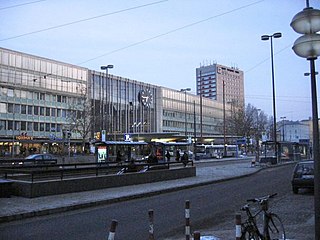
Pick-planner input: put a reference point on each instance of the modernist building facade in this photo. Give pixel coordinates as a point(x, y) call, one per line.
point(39, 95)
point(221, 83)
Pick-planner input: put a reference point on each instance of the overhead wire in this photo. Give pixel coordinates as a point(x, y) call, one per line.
point(171, 31)
point(22, 4)
point(82, 20)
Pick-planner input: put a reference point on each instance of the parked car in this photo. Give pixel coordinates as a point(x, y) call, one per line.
point(43, 158)
point(303, 176)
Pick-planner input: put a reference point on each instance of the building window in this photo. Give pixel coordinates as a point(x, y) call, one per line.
point(47, 111)
point(53, 112)
point(23, 109)
point(53, 127)
point(30, 110)
point(10, 107)
point(10, 125)
point(42, 96)
point(36, 111)
point(29, 126)
point(41, 111)
point(47, 127)
point(36, 126)
point(2, 124)
point(23, 126)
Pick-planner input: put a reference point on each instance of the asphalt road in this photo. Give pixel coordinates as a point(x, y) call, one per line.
point(210, 205)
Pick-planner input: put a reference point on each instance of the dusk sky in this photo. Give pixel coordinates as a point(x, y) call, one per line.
point(163, 42)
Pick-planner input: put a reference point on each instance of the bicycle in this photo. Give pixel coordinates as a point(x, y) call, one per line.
point(272, 227)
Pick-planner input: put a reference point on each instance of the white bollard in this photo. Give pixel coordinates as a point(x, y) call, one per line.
point(113, 227)
point(187, 215)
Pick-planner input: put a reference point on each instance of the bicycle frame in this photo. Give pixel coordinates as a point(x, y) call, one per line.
point(251, 221)
point(250, 225)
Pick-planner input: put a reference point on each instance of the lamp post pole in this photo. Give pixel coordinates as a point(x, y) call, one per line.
point(104, 99)
point(224, 119)
point(257, 137)
point(185, 90)
point(283, 118)
point(307, 46)
point(264, 38)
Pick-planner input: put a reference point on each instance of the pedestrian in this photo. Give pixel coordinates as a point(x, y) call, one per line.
point(152, 158)
point(185, 158)
point(178, 155)
point(118, 158)
point(168, 156)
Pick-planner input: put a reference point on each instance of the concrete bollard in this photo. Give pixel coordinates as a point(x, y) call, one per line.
point(196, 235)
point(151, 229)
point(187, 215)
point(113, 227)
point(238, 226)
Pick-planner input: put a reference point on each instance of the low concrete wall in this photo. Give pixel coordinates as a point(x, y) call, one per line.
point(45, 188)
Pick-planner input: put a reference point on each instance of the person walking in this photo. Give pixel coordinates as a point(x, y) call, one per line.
point(168, 156)
point(185, 158)
point(178, 155)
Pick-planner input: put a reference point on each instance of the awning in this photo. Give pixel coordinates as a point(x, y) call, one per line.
point(121, 143)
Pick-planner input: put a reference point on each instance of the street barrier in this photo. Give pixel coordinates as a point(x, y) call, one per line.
point(187, 216)
point(196, 235)
point(188, 235)
point(112, 231)
point(151, 229)
point(238, 226)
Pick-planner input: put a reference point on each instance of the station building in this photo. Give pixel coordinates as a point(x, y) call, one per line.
point(38, 96)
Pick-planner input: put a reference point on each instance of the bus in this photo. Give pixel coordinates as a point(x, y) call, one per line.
point(216, 151)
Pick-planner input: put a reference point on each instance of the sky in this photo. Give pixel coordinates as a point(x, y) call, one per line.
point(162, 42)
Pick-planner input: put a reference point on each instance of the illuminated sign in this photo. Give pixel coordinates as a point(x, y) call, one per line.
point(23, 137)
point(102, 153)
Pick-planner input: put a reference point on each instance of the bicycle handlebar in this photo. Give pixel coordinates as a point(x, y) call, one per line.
point(262, 198)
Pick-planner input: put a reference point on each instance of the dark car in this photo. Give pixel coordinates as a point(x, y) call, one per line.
point(41, 159)
point(303, 176)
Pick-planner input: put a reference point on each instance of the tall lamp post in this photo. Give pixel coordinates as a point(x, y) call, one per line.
point(257, 137)
point(283, 118)
point(264, 38)
point(104, 106)
point(307, 22)
point(185, 90)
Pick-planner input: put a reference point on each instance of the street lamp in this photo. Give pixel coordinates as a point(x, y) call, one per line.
point(185, 90)
point(264, 38)
point(283, 118)
point(307, 22)
point(257, 137)
point(104, 106)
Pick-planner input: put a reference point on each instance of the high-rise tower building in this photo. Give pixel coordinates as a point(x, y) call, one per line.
point(216, 82)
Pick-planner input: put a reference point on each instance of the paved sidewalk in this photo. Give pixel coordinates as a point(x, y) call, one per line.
point(18, 207)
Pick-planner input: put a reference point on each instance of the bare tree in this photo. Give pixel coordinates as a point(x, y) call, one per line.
point(246, 122)
point(80, 115)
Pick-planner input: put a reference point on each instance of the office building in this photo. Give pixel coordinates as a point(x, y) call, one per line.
point(221, 83)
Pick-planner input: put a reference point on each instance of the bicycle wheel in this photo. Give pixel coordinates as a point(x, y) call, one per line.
point(275, 228)
point(249, 233)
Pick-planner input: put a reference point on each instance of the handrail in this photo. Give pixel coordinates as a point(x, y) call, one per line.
point(64, 169)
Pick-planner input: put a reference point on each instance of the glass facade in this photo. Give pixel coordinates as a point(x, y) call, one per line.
point(39, 96)
point(117, 107)
point(203, 117)
point(35, 97)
